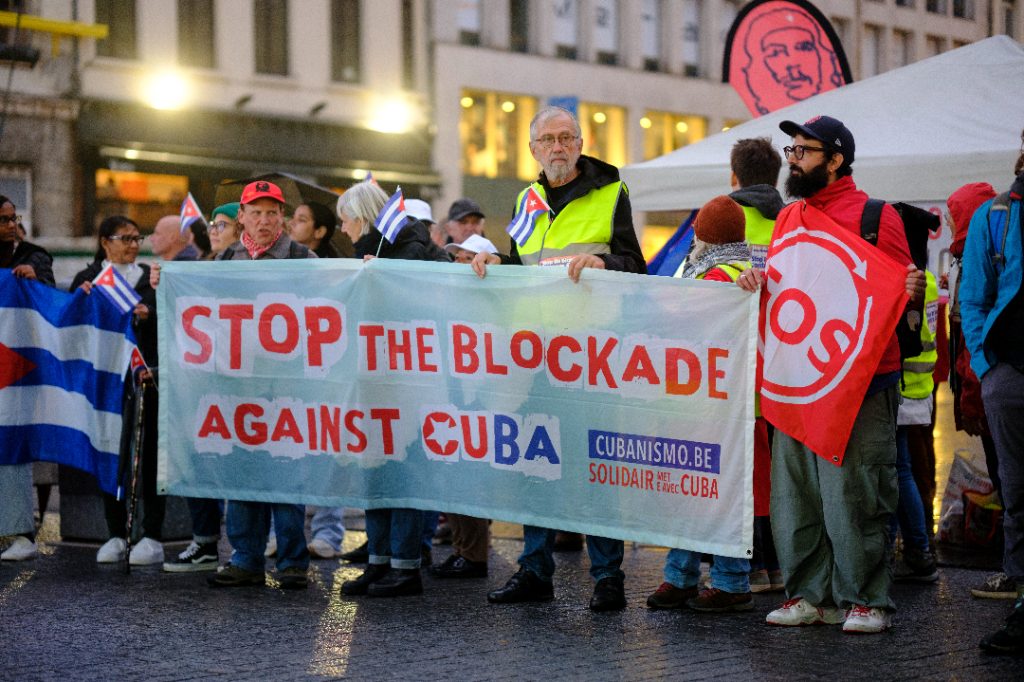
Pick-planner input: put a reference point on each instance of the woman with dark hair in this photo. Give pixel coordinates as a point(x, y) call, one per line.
point(119, 242)
point(313, 225)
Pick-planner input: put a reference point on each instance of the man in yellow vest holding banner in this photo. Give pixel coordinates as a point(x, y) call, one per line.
point(589, 224)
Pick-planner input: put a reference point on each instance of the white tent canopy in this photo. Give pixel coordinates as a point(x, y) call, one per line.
point(921, 131)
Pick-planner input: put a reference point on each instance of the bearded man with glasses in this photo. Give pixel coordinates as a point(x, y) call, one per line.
point(590, 225)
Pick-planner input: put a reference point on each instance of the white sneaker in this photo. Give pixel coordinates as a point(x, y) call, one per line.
point(864, 620)
point(146, 553)
point(799, 611)
point(22, 548)
point(111, 552)
point(319, 549)
point(271, 549)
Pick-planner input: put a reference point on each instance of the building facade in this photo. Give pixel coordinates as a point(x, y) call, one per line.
point(434, 95)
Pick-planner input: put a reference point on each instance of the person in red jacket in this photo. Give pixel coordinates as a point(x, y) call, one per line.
point(830, 522)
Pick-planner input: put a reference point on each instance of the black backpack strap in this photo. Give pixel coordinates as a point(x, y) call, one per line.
point(870, 219)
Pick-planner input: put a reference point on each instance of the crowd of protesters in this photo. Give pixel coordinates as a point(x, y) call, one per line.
point(824, 534)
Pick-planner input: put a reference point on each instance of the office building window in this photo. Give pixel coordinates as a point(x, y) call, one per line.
point(408, 45)
point(566, 27)
point(195, 34)
point(870, 62)
point(345, 16)
point(119, 16)
point(495, 133)
point(665, 132)
point(1009, 18)
point(469, 21)
point(963, 9)
point(650, 34)
point(691, 37)
point(903, 49)
point(519, 25)
point(936, 6)
point(271, 22)
point(606, 31)
point(904, 3)
point(933, 46)
point(603, 127)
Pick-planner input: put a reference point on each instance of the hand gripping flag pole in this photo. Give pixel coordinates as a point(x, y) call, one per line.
point(525, 219)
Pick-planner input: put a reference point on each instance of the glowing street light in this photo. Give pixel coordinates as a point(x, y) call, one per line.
point(166, 90)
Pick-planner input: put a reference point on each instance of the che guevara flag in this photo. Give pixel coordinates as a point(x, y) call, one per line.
point(828, 311)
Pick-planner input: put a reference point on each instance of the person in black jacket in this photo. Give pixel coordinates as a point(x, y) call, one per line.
point(313, 225)
point(119, 242)
point(23, 258)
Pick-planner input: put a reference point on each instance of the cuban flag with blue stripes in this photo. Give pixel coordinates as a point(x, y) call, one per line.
point(63, 360)
point(189, 212)
point(115, 287)
point(525, 218)
point(392, 218)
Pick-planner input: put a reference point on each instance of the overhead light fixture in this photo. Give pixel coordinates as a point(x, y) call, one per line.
point(165, 90)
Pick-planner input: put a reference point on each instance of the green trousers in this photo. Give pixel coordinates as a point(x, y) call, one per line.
point(830, 522)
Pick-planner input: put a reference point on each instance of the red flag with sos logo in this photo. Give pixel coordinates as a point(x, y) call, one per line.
point(829, 308)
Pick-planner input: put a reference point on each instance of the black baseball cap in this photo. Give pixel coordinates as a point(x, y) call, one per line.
point(829, 131)
point(462, 208)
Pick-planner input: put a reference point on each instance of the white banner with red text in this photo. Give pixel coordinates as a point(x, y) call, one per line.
point(621, 406)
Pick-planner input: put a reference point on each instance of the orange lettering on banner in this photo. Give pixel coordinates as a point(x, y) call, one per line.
point(714, 374)
point(673, 356)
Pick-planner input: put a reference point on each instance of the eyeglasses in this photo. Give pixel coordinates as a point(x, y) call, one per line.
point(8, 219)
point(127, 239)
point(218, 225)
point(797, 151)
point(548, 141)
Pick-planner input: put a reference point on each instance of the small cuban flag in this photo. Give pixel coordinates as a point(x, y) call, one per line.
point(116, 289)
point(370, 179)
point(525, 218)
point(392, 217)
point(138, 365)
point(189, 212)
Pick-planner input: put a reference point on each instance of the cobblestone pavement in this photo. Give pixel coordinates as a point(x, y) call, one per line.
point(63, 616)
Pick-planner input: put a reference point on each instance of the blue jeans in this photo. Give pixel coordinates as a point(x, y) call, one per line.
point(248, 524)
point(729, 574)
point(395, 536)
point(429, 528)
point(538, 547)
point(328, 525)
point(909, 510)
point(206, 515)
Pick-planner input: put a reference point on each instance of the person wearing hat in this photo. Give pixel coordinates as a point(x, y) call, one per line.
point(223, 228)
point(261, 217)
point(830, 522)
point(474, 244)
point(464, 219)
point(720, 253)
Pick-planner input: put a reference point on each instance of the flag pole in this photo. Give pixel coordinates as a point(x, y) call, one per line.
point(136, 465)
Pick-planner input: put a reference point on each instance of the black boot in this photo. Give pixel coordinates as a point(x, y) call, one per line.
point(521, 587)
point(1008, 639)
point(399, 582)
point(359, 555)
point(609, 595)
point(360, 585)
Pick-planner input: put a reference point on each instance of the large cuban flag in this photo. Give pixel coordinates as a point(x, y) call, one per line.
point(63, 359)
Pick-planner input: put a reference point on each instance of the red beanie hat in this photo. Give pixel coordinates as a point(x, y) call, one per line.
point(962, 204)
point(720, 221)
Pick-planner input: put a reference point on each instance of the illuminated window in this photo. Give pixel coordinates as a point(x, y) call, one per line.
point(665, 132)
point(731, 123)
point(495, 133)
point(143, 197)
point(604, 132)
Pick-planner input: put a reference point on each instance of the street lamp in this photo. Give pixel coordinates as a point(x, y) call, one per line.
point(166, 90)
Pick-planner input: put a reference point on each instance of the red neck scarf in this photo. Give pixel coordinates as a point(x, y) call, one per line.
point(254, 249)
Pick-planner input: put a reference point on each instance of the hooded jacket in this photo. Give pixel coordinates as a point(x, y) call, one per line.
point(412, 243)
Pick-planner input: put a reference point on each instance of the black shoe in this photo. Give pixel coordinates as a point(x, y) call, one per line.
point(523, 586)
point(1008, 639)
point(292, 578)
point(399, 582)
point(568, 542)
point(196, 557)
point(609, 595)
point(360, 585)
point(918, 567)
point(458, 566)
point(359, 555)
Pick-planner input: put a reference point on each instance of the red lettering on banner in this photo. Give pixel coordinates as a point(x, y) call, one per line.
point(235, 313)
point(370, 333)
point(205, 342)
point(597, 361)
point(464, 341)
point(399, 347)
point(350, 423)
point(386, 416)
point(714, 374)
point(330, 427)
point(424, 348)
point(317, 336)
point(536, 346)
point(286, 427)
point(430, 424)
point(311, 425)
point(291, 328)
point(573, 371)
point(491, 366)
point(640, 366)
point(476, 450)
point(258, 435)
point(214, 423)
point(673, 356)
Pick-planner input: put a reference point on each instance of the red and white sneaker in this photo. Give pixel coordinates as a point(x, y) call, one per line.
point(864, 620)
point(799, 611)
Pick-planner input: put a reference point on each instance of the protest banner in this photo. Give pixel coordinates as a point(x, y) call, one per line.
point(831, 304)
point(621, 406)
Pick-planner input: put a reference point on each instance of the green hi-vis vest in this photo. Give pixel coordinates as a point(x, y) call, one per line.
point(584, 226)
point(917, 371)
point(759, 234)
point(733, 270)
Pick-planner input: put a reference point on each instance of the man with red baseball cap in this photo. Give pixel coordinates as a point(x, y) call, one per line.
point(262, 219)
